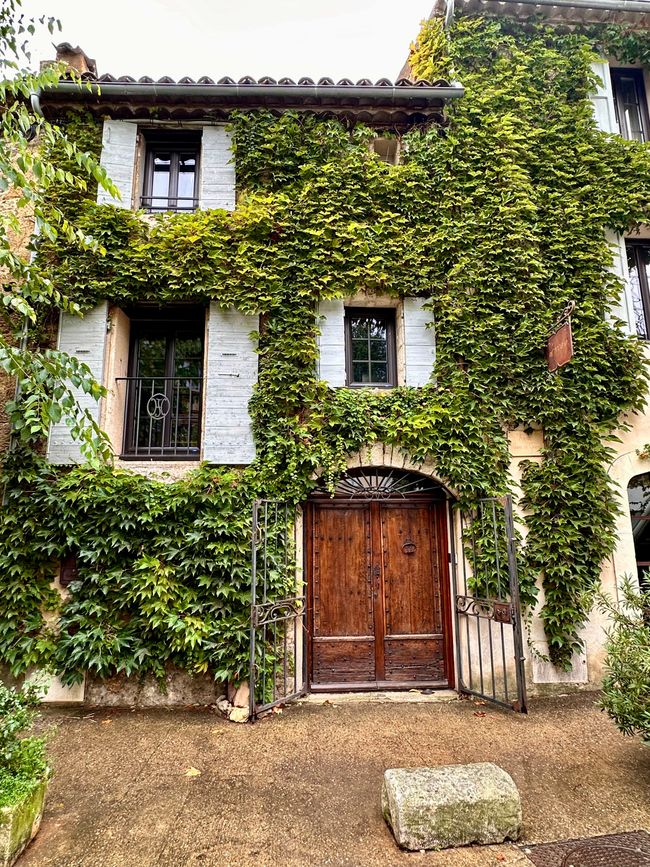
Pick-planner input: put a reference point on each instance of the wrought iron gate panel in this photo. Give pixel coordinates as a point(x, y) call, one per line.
point(489, 638)
point(277, 663)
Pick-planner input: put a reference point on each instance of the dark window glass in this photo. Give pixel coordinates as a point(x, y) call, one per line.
point(171, 171)
point(370, 347)
point(165, 385)
point(638, 493)
point(638, 261)
point(631, 104)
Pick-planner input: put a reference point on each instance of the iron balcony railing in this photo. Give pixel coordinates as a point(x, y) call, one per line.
point(162, 416)
point(162, 204)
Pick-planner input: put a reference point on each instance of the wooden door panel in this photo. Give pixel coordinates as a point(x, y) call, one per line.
point(411, 573)
point(342, 661)
point(342, 594)
point(343, 633)
point(413, 642)
point(414, 660)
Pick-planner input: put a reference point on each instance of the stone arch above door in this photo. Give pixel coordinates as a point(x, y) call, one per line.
point(380, 455)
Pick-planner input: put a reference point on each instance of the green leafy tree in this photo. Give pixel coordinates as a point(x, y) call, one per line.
point(626, 687)
point(47, 380)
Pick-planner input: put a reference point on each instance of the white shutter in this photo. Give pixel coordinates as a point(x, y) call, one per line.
point(603, 99)
point(85, 338)
point(230, 376)
point(118, 158)
point(331, 343)
point(624, 309)
point(217, 169)
point(419, 342)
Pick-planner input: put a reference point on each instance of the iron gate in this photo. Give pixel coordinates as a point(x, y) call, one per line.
point(489, 639)
point(277, 663)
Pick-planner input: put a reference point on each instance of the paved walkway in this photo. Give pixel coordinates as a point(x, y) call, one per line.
point(302, 787)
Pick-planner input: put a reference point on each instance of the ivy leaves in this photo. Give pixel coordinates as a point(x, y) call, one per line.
point(498, 223)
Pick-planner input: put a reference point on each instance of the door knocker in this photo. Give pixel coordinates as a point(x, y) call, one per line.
point(409, 547)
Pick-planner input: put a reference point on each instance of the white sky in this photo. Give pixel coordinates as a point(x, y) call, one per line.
point(336, 38)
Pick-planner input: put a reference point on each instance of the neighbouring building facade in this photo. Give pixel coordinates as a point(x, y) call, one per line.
point(288, 311)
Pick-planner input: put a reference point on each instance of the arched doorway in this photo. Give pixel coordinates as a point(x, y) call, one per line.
point(638, 495)
point(378, 604)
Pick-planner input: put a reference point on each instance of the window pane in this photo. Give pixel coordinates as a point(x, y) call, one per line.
point(360, 350)
point(359, 328)
point(635, 287)
point(186, 172)
point(378, 350)
point(377, 329)
point(379, 372)
point(188, 356)
point(151, 356)
point(360, 372)
point(629, 108)
point(160, 183)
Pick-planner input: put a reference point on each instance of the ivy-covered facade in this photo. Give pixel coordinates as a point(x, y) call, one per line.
point(321, 284)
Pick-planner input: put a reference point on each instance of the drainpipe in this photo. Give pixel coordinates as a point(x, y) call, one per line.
point(449, 14)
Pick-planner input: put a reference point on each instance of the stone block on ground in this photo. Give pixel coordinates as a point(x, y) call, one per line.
point(20, 823)
point(451, 805)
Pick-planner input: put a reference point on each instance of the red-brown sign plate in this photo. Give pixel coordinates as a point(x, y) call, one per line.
point(559, 350)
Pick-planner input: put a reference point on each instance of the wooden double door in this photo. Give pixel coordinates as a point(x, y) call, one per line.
point(378, 611)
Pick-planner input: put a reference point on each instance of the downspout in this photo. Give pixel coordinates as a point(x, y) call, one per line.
point(449, 15)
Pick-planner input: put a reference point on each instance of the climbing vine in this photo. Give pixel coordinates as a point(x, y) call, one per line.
point(497, 223)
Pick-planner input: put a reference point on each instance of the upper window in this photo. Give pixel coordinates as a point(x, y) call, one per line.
point(165, 383)
point(631, 104)
point(387, 149)
point(171, 171)
point(370, 347)
point(638, 261)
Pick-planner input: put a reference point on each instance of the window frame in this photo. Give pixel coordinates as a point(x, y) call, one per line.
point(174, 142)
point(616, 73)
point(165, 322)
point(635, 248)
point(387, 314)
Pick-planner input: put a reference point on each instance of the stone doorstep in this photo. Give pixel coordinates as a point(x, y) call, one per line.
point(20, 823)
point(413, 696)
point(452, 805)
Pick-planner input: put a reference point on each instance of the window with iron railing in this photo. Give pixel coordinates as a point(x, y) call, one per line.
point(171, 171)
point(164, 389)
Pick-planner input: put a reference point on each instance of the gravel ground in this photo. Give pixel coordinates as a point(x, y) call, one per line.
point(303, 787)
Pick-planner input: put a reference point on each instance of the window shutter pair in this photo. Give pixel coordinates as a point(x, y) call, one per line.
point(419, 343)
point(119, 154)
point(230, 374)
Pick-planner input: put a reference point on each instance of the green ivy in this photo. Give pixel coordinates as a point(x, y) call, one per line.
point(497, 223)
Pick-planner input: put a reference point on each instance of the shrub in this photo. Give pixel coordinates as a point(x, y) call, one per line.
point(626, 687)
point(22, 759)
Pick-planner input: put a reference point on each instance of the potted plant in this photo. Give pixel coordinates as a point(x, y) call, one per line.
point(24, 772)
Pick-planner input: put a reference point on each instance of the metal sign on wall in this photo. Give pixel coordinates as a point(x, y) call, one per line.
point(559, 347)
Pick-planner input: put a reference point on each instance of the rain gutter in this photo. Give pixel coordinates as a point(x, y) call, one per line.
point(394, 95)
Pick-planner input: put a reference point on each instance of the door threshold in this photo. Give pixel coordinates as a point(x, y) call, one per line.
point(411, 696)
